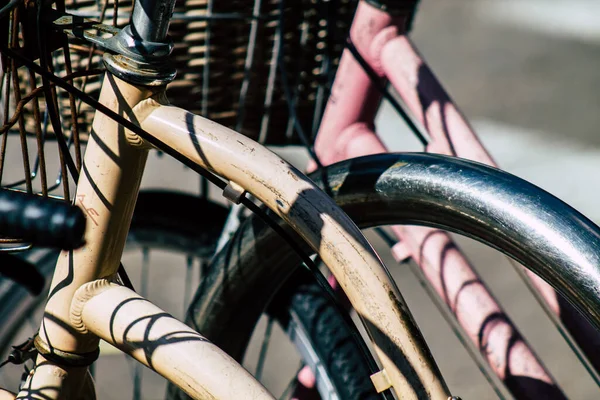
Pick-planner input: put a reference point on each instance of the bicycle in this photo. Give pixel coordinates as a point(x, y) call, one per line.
point(235, 192)
point(63, 370)
point(384, 51)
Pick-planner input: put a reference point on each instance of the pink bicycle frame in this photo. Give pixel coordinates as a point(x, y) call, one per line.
point(347, 130)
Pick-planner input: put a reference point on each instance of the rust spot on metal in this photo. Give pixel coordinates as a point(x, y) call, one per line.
point(266, 184)
point(195, 387)
point(294, 177)
point(252, 149)
point(398, 164)
point(336, 187)
point(210, 135)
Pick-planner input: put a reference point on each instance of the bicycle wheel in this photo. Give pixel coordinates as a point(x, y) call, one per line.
point(321, 340)
point(483, 203)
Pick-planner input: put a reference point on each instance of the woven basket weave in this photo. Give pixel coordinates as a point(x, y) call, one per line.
point(230, 59)
point(217, 48)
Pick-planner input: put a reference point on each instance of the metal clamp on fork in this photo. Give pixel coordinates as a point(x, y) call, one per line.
point(145, 50)
point(63, 358)
point(141, 49)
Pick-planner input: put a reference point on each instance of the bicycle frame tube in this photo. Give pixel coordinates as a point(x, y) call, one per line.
point(107, 192)
point(347, 131)
point(397, 341)
point(133, 324)
point(6, 395)
point(452, 134)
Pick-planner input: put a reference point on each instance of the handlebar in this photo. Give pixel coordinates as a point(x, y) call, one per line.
point(41, 221)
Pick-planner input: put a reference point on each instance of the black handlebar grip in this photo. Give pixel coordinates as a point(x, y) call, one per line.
point(41, 221)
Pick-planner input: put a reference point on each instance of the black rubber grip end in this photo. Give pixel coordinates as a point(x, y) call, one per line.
point(41, 221)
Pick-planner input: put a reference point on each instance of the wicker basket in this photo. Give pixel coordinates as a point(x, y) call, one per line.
point(229, 60)
point(230, 56)
point(213, 48)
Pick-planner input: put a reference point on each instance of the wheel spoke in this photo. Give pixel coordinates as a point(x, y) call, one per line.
point(33, 323)
point(263, 349)
point(137, 381)
point(188, 282)
point(144, 275)
point(137, 368)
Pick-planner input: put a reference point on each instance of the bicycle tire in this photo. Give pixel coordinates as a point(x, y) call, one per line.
point(420, 189)
point(303, 303)
point(176, 228)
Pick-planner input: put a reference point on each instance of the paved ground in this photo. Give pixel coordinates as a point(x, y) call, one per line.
point(526, 73)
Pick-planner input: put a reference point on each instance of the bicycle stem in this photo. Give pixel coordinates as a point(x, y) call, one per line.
point(150, 19)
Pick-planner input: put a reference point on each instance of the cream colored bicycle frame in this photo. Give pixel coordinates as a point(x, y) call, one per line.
point(85, 304)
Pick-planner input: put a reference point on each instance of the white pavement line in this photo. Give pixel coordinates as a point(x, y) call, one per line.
point(570, 19)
